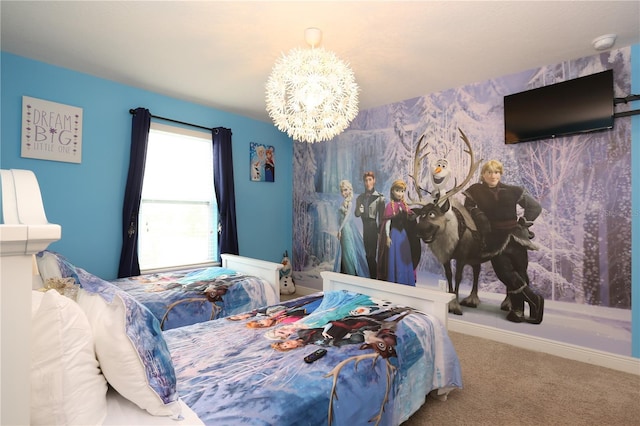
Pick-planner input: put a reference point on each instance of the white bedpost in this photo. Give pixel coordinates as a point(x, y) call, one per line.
point(24, 231)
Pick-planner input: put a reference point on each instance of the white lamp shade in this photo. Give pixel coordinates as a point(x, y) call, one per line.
point(311, 95)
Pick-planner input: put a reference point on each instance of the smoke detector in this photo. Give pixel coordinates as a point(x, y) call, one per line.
point(604, 42)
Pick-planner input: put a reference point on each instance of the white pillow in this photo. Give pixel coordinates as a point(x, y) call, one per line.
point(129, 345)
point(48, 265)
point(139, 366)
point(67, 386)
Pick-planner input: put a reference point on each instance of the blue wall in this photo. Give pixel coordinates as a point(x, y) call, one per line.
point(86, 199)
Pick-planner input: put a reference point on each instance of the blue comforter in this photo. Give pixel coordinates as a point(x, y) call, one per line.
point(188, 297)
point(381, 362)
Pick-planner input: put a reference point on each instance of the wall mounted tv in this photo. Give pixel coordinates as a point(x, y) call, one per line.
point(580, 105)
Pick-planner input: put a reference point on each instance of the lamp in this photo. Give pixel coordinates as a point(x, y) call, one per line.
point(311, 94)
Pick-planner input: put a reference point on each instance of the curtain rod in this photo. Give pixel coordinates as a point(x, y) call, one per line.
point(133, 111)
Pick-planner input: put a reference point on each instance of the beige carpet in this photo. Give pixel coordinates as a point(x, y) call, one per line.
point(506, 385)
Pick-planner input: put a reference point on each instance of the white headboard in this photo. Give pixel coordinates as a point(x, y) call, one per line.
point(24, 231)
point(269, 271)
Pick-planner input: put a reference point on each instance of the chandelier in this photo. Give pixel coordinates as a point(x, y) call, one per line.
point(311, 94)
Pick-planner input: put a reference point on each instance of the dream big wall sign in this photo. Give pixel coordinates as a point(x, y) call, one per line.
point(51, 131)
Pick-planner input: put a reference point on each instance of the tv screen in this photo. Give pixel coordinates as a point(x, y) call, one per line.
point(583, 104)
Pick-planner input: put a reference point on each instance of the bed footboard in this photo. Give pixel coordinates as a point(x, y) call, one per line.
point(428, 301)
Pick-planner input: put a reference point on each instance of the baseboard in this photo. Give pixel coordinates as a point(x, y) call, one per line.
point(304, 291)
point(577, 353)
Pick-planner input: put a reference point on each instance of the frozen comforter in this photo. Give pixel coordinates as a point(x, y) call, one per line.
point(182, 298)
point(381, 361)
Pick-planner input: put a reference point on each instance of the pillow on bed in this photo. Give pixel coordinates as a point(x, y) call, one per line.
point(67, 386)
point(129, 344)
point(48, 266)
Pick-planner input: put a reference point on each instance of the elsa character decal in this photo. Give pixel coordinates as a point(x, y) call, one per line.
point(351, 258)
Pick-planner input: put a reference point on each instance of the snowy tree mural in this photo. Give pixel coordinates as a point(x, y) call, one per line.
point(304, 193)
point(582, 181)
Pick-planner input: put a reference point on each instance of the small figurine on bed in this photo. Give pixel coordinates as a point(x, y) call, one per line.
point(287, 286)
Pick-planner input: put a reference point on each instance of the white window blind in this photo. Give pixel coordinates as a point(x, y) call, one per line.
point(178, 212)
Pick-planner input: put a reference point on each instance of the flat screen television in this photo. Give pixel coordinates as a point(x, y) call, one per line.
point(580, 105)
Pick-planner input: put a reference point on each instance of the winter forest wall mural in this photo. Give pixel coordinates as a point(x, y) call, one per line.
point(582, 266)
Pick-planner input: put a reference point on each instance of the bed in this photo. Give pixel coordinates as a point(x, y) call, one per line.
point(98, 356)
point(183, 297)
point(386, 348)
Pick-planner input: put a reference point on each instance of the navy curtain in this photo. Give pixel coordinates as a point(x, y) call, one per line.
point(225, 193)
point(129, 265)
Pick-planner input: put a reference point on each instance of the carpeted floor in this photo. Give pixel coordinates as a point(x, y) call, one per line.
point(506, 385)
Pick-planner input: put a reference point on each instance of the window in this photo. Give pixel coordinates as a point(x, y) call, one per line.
point(178, 213)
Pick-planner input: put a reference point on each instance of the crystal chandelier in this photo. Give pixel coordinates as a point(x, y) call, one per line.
point(311, 94)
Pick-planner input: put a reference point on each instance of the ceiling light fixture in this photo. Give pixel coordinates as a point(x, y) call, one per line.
point(311, 94)
point(604, 42)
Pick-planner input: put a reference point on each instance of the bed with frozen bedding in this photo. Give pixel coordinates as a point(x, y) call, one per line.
point(179, 298)
point(380, 361)
point(386, 347)
point(98, 356)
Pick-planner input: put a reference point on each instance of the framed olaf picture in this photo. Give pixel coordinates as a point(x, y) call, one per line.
point(262, 162)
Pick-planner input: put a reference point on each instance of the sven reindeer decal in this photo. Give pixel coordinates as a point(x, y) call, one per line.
point(449, 231)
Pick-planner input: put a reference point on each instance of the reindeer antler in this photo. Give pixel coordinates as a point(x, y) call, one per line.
point(472, 170)
point(215, 309)
point(418, 156)
point(357, 358)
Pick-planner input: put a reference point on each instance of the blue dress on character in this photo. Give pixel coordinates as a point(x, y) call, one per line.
point(351, 258)
point(269, 172)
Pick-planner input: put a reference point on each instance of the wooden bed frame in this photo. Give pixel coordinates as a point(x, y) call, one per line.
point(431, 302)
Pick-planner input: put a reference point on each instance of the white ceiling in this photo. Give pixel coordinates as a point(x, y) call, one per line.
point(220, 53)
